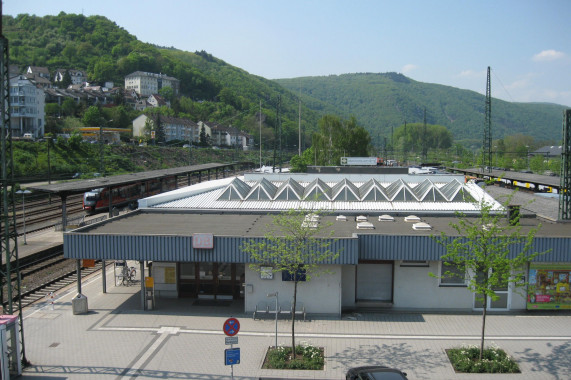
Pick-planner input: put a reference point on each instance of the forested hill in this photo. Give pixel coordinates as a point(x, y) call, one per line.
point(382, 101)
point(212, 89)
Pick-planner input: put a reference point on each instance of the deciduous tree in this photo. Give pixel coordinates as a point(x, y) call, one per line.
point(490, 252)
point(296, 243)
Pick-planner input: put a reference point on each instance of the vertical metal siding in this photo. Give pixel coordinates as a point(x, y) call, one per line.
point(177, 249)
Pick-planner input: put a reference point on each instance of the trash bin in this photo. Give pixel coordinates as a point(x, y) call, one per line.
point(79, 304)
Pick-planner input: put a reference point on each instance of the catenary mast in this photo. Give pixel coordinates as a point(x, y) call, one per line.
point(10, 276)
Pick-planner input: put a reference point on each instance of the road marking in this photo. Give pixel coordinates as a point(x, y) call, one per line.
point(164, 333)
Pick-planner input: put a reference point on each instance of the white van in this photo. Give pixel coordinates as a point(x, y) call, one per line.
point(28, 136)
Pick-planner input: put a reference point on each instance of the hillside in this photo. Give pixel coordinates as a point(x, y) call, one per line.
point(211, 89)
point(382, 101)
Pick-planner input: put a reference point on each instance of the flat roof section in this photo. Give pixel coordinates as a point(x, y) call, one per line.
point(150, 222)
point(74, 187)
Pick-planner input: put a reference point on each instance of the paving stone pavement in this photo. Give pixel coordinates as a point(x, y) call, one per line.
point(117, 340)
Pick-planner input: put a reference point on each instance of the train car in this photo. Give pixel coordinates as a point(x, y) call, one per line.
point(97, 200)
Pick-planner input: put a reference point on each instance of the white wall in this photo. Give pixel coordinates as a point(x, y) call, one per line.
point(414, 288)
point(320, 295)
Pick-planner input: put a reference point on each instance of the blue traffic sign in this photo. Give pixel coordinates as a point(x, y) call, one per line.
point(232, 356)
point(231, 327)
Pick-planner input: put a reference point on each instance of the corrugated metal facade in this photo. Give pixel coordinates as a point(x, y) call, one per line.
point(227, 249)
point(395, 247)
point(178, 249)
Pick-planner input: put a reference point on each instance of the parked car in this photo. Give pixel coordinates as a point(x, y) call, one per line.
point(375, 373)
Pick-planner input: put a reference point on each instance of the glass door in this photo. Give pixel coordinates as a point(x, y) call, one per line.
point(503, 293)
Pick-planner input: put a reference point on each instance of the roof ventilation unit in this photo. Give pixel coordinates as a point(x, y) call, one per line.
point(365, 226)
point(386, 218)
point(412, 219)
point(421, 226)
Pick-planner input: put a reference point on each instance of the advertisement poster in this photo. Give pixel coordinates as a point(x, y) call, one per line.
point(549, 287)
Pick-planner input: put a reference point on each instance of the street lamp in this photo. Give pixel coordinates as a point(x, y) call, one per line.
point(24, 192)
point(275, 295)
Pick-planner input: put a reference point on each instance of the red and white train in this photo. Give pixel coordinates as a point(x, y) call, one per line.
point(126, 195)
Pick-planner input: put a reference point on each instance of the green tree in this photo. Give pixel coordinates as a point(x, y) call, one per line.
point(490, 252)
point(66, 80)
point(337, 138)
point(204, 138)
point(297, 164)
point(69, 107)
point(291, 245)
point(52, 109)
point(167, 93)
point(92, 117)
point(537, 164)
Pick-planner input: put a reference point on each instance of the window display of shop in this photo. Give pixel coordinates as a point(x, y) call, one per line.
point(549, 286)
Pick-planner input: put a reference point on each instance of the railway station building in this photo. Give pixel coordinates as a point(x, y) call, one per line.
point(383, 225)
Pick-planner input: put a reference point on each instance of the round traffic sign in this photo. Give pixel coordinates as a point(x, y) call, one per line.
point(231, 327)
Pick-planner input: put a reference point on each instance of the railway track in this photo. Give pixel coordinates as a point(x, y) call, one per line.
point(47, 275)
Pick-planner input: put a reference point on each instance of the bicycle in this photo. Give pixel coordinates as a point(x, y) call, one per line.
point(128, 274)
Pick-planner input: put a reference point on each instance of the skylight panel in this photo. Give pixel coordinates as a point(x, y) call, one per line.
point(365, 226)
point(421, 226)
point(411, 219)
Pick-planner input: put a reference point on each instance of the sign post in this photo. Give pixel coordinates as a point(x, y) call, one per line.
point(231, 355)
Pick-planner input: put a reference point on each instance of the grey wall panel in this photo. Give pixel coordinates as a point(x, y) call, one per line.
point(391, 247)
point(177, 249)
point(228, 249)
point(559, 250)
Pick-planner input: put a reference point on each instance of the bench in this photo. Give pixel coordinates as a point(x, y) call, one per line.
point(287, 310)
point(263, 309)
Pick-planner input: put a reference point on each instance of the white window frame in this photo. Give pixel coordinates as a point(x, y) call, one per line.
point(442, 269)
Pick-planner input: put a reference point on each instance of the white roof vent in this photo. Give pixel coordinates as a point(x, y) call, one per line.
point(487, 227)
point(361, 218)
point(312, 217)
point(365, 226)
point(421, 226)
point(412, 219)
point(341, 218)
point(386, 218)
point(309, 224)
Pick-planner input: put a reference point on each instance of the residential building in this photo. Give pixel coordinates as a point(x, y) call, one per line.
point(77, 76)
point(39, 76)
point(548, 151)
point(230, 136)
point(146, 84)
point(174, 128)
point(27, 101)
point(155, 100)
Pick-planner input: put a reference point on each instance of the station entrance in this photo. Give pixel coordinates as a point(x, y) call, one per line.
point(211, 280)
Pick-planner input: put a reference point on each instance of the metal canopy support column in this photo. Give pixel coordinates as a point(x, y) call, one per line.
point(78, 270)
point(104, 276)
point(63, 197)
point(565, 178)
point(142, 271)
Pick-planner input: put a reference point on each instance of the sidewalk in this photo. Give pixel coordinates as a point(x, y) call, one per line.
point(116, 340)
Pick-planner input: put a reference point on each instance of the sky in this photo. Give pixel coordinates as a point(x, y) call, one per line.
point(526, 43)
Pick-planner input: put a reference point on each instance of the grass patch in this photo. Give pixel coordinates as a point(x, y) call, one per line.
point(494, 360)
point(307, 357)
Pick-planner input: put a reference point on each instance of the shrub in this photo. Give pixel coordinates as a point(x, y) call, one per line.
point(494, 360)
point(307, 357)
